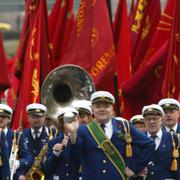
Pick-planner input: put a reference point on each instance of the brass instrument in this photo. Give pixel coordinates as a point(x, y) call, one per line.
point(63, 86)
point(60, 89)
point(35, 172)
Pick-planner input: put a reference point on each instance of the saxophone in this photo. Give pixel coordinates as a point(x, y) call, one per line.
point(35, 172)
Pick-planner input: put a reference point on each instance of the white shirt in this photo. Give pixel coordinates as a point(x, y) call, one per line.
point(34, 134)
point(157, 139)
point(5, 130)
point(108, 129)
point(174, 128)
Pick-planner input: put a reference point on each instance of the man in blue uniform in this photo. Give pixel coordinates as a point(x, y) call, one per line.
point(165, 161)
point(138, 122)
point(61, 163)
point(84, 109)
point(4, 160)
point(171, 109)
point(37, 135)
point(105, 146)
point(19, 156)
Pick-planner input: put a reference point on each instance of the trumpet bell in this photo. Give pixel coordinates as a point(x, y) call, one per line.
point(63, 86)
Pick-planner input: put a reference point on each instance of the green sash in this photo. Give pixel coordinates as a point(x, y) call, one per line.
point(108, 148)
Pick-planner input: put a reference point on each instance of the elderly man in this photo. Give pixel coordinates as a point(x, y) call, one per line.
point(105, 146)
point(16, 145)
point(171, 109)
point(165, 161)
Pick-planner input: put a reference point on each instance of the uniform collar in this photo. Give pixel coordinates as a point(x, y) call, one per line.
point(158, 134)
point(174, 128)
point(40, 130)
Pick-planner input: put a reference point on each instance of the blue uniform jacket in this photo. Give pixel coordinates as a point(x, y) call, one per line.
point(159, 167)
point(24, 155)
point(65, 166)
point(36, 146)
point(95, 164)
point(4, 169)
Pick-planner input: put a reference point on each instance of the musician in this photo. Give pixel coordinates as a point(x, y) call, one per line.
point(4, 160)
point(84, 109)
point(60, 161)
point(171, 108)
point(138, 122)
point(37, 135)
point(105, 146)
point(165, 161)
point(18, 165)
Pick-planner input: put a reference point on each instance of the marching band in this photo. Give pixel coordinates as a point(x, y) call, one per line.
point(90, 143)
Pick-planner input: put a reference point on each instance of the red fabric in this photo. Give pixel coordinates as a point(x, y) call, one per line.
point(171, 85)
point(91, 45)
point(142, 28)
point(4, 79)
point(60, 20)
point(123, 59)
point(162, 33)
point(21, 50)
point(145, 86)
point(36, 65)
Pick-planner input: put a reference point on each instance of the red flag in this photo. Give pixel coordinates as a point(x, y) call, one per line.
point(143, 26)
point(145, 85)
point(91, 45)
point(162, 33)
point(123, 59)
point(36, 64)
point(171, 85)
point(60, 20)
point(4, 79)
point(21, 50)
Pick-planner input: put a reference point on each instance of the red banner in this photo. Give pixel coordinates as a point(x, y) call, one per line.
point(91, 45)
point(123, 59)
point(4, 79)
point(36, 64)
point(171, 85)
point(142, 28)
point(60, 20)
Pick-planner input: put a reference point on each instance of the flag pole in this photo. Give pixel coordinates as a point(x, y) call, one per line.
point(115, 75)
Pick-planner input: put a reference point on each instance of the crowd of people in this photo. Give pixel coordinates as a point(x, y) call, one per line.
point(88, 143)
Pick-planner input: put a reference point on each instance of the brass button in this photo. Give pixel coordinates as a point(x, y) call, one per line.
point(104, 161)
point(66, 164)
point(103, 171)
point(67, 174)
point(152, 173)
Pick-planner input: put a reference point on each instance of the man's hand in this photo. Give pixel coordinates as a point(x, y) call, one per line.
point(128, 172)
point(70, 129)
point(22, 177)
point(143, 172)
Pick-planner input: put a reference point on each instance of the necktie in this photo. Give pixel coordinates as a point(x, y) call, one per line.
point(36, 132)
point(153, 137)
point(103, 126)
